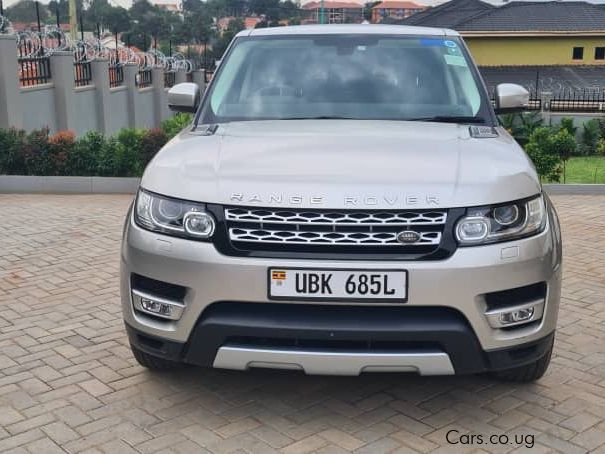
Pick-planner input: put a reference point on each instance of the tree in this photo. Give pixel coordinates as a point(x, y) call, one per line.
point(95, 13)
point(563, 144)
point(62, 6)
point(521, 125)
point(291, 11)
point(25, 11)
point(367, 10)
point(268, 8)
point(234, 27)
point(190, 6)
point(197, 27)
point(116, 19)
point(549, 149)
point(567, 123)
point(149, 21)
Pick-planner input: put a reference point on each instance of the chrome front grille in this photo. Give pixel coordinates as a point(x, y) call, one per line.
point(346, 238)
point(368, 218)
point(251, 228)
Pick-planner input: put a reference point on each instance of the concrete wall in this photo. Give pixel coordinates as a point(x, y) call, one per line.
point(60, 105)
point(532, 50)
point(86, 118)
point(37, 107)
point(117, 102)
point(143, 104)
point(554, 119)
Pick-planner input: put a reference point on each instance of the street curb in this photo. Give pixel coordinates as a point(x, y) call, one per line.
point(12, 184)
point(575, 189)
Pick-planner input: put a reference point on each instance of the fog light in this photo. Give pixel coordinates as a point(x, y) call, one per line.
point(522, 315)
point(159, 307)
point(505, 317)
point(156, 307)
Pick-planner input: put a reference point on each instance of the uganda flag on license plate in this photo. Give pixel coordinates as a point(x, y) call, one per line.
point(278, 275)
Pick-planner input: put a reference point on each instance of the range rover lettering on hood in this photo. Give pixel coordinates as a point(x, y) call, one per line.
point(400, 200)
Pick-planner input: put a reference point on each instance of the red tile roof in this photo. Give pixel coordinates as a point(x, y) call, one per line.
point(23, 26)
point(398, 5)
point(250, 22)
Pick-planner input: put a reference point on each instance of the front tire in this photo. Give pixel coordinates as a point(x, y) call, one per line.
point(152, 362)
point(527, 373)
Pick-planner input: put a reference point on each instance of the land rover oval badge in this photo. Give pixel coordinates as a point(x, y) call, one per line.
point(408, 236)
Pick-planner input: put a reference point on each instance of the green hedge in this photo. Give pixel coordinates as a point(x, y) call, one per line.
point(127, 153)
point(123, 155)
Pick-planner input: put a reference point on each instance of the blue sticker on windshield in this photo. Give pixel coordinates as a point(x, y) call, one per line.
point(438, 42)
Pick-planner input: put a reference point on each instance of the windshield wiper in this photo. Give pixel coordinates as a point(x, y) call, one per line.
point(450, 119)
point(319, 117)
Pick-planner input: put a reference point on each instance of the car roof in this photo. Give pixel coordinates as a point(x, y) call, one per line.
point(346, 29)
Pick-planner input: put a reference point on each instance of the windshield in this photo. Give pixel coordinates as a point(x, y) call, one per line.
point(366, 77)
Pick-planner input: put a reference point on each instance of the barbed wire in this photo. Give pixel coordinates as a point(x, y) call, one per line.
point(52, 39)
point(5, 25)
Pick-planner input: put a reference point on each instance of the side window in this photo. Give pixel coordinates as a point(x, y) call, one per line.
point(577, 53)
point(599, 53)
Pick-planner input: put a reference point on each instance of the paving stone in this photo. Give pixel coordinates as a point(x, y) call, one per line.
point(69, 383)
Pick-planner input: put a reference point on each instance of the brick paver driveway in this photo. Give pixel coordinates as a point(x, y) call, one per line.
point(68, 381)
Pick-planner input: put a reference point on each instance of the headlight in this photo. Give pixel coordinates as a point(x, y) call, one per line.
point(172, 216)
point(503, 222)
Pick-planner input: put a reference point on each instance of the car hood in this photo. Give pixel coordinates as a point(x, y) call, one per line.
point(342, 164)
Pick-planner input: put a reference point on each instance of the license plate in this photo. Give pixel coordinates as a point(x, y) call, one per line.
point(340, 285)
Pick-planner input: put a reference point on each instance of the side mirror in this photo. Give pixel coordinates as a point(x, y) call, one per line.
point(511, 98)
point(184, 97)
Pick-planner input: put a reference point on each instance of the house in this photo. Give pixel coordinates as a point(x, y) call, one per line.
point(249, 22)
point(334, 12)
point(27, 26)
point(449, 14)
point(520, 33)
point(394, 10)
point(175, 6)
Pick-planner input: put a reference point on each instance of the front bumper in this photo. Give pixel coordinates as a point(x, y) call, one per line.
point(226, 309)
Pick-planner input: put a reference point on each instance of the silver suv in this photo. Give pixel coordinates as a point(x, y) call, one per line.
point(344, 202)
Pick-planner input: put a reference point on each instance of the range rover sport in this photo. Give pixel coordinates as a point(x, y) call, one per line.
point(343, 202)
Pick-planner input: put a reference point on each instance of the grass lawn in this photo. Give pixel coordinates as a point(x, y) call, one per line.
point(585, 169)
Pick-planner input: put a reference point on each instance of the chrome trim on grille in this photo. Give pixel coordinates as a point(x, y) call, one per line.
point(346, 238)
point(336, 217)
point(308, 227)
point(333, 362)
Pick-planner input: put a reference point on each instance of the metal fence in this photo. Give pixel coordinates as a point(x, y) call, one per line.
point(535, 103)
point(116, 75)
point(143, 78)
point(34, 65)
point(169, 79)
point(586, 100)
point(208, 74)
point(82, 73)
